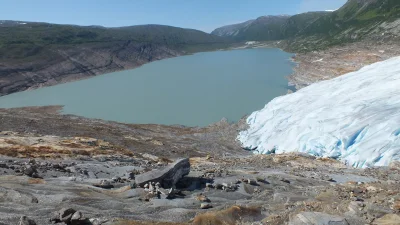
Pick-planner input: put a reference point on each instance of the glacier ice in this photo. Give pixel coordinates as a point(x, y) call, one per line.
point(354, 118)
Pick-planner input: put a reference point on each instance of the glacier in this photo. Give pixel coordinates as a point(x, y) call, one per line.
point(354, 118)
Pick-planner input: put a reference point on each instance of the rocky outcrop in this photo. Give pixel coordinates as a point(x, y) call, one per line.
point(78, 62)
point(168, 176)
point(317, 218)
point(11, 195)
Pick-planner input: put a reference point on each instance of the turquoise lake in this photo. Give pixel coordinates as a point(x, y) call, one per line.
point(193, 90)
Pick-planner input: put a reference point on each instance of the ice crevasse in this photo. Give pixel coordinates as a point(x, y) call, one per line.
point(354, 118)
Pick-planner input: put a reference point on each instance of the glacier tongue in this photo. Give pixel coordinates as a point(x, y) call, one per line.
point(354, 118)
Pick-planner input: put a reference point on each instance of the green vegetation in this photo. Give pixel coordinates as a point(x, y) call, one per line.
point(356, 20)
point(353, 22)
point(36, 39)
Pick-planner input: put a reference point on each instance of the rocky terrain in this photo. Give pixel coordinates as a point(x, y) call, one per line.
point(332, 62)
point(61, 169)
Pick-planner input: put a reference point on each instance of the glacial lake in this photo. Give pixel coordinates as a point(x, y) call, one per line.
point(193, 90)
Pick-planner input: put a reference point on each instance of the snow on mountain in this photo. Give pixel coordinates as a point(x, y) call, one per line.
point(354, 118)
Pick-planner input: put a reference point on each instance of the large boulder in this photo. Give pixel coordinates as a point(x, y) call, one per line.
point(317, 218)
point(168, 176)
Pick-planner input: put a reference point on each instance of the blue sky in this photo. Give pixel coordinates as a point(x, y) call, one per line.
point(204, 15)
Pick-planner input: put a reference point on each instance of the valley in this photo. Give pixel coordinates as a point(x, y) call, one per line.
point(326, 154)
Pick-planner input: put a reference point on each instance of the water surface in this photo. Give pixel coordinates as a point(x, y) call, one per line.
point(194, 90)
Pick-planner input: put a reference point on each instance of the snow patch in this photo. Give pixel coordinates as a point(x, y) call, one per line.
point(251, 42)
point(318, 60)
point(354, 118)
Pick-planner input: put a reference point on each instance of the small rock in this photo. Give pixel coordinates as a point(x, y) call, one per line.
point(32, 161)
point(202, 198)
point(66, 214)
point(77, 216)
point(209, 185)
point(116, 179)
point(26, 221)
point(218, 186)
point(30, 171)
point(205, 206)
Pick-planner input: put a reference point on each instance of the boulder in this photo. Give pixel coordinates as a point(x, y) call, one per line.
point(77, 216)
point(205, 206)
point(317, 218)
point(30, 171)
point(26, 221)
point(66, 214)
point(168, 176)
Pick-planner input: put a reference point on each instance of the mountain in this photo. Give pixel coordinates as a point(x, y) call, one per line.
point(231, 30)
point(297, 23)
point(354, 118)
point(374, 20)
point(371, 20)
point(268, 28)
point(262, 28)
point(40, 54)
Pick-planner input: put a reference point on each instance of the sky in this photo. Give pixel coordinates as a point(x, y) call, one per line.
point(205, 15)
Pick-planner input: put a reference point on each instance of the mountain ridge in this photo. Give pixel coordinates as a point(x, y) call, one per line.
point(356, 20)
point(35, 54)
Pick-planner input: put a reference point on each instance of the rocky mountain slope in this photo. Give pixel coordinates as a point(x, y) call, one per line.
point(357, 20)
point(262, 28)
point(354, 118)
point(231, 30)
point(373, 20)
point(41, 54)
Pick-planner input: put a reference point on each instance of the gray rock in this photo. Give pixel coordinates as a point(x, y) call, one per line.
point(26, 221)
point(77, 216)
point(317, 218)
point(168, 176)
point(104, 184)
point(30, 171)
point(205, 206)
point(10, 195)
point(66, 214)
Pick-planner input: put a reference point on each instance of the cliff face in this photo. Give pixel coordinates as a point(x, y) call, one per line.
point(78, 62)
point(38, 54)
